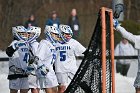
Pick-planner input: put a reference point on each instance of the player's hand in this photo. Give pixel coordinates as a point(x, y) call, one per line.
point(19, 44)
point(33, 59)
point(43, 70)
point(115, 23)
point(29, 70)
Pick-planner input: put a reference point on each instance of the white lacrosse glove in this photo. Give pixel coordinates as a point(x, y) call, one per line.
point(43, 70)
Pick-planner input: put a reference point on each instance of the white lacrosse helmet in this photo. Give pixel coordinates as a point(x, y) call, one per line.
point(52, 33)
point(33, 33)
point(66, 32)
point(19, 32)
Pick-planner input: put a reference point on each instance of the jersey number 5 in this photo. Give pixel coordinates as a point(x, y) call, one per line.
point(62, 55)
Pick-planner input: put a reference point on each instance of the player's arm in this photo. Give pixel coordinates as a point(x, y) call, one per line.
point(34, 47)
point(11, 49)
point(41, 54)
point(78, 48)
point(124, 33)
point(14, 46)
point(32, 52)
point(133, 38)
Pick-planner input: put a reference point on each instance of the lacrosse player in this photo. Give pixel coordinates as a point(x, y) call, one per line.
point(136, 40)
point(18, 53)
point(46, 55)
point(34, 33)
point(67, 49)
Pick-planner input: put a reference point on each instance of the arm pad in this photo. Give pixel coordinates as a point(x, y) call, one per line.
point(10, 51)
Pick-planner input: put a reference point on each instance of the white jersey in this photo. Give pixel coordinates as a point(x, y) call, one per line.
point(46, 54)
point(34, 46)
point(66, 56)
point(20, 56)
point(124, 50)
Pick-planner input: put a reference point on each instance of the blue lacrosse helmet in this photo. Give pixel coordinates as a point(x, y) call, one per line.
point(19, 32)
point(33, 33)
point(30, 34)
point(66, 32)
point(51, 33)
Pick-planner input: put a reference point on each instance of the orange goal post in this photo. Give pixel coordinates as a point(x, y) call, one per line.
point(103, 20)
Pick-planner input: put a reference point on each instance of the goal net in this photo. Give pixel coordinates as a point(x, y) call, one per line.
point(96, 71)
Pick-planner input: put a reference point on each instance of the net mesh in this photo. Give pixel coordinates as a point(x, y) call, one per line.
point(88, 78)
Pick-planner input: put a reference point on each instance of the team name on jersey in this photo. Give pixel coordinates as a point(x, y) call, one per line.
point(52, 50)
point(24, 49)
point(63, 48)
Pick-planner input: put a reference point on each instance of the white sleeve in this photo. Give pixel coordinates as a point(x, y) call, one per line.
point(13, 44)
point(117, 50)
point(34, 47)
point(78, 48)
point(41, 51)
point(133, 38)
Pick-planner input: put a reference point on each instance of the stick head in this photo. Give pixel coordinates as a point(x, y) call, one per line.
point(118, 9)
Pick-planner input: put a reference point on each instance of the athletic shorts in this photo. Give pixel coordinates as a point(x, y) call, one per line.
point(49, 81)
point(64, 78)
point(137, 81)
point(33, 81)
point(20, 83)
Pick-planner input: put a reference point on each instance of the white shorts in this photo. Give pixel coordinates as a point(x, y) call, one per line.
point(20, 83)
point(49, 81)
point(64, 78)
point(33, 81)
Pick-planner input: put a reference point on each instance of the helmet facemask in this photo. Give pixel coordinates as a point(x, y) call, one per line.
point(66, 32)
point(33, 33)
point(52, 33)
point(66, 36)
point(21, 33)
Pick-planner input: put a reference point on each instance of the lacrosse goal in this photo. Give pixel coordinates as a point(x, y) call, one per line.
point(96, 72)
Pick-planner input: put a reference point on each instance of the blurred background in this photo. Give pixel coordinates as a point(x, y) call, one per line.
point(17, 12)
